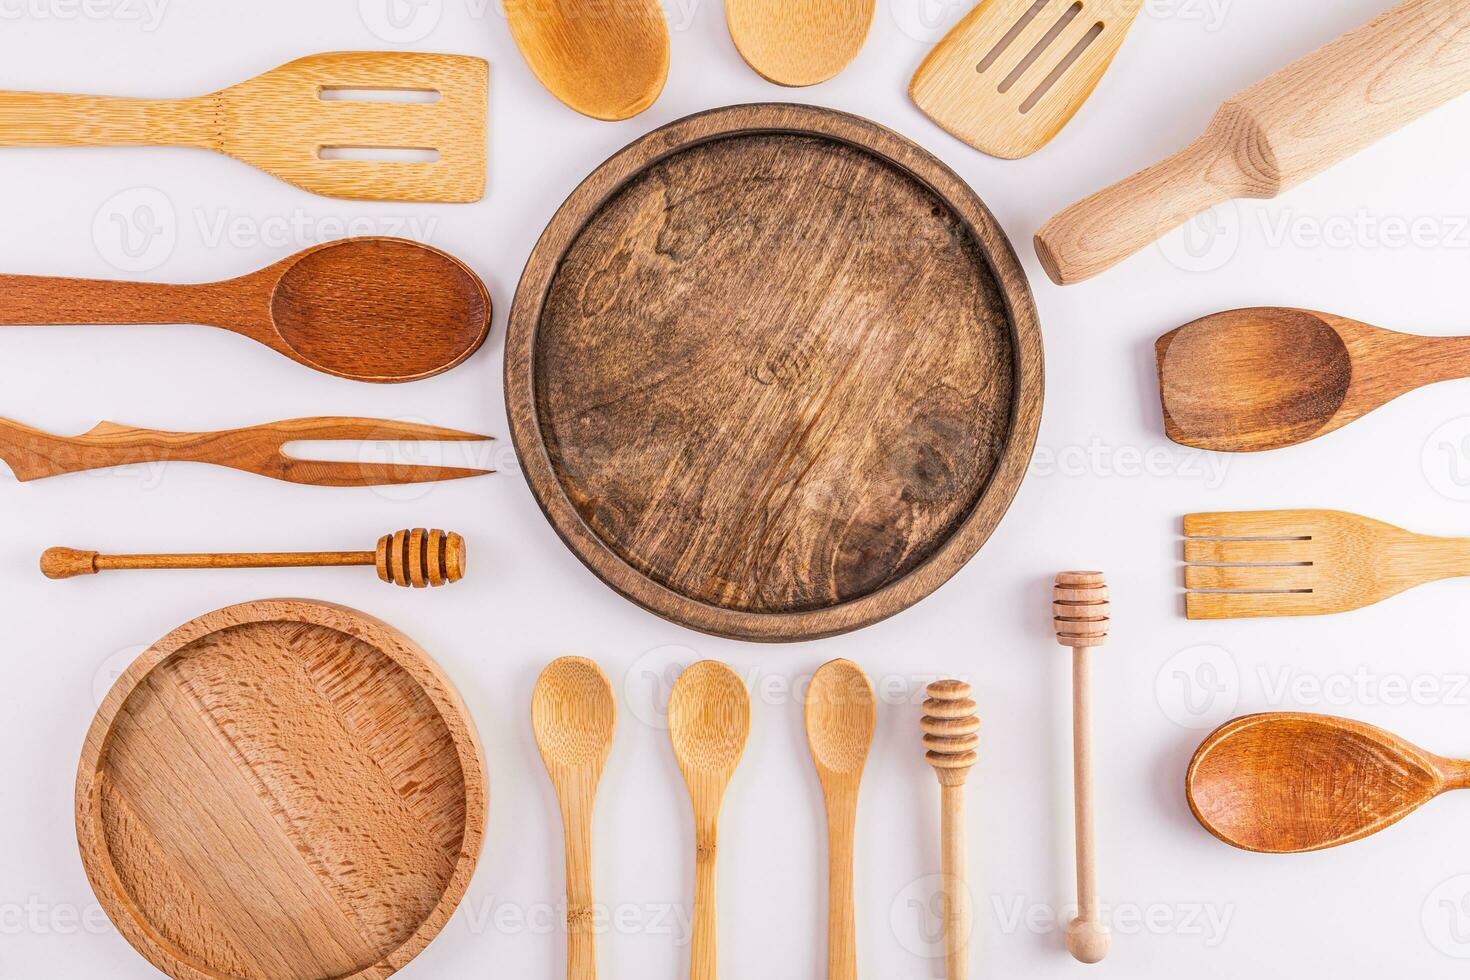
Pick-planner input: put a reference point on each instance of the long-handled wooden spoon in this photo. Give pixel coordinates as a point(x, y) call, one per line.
point(952, 734)
point(1267, 378)
point(417, 559)
point(709, 723)
point(574, 715)
point(320, 123)
point(384, 310)
point(840, 716)
point(799, 42)
point(1290, 783)
point(606, 60)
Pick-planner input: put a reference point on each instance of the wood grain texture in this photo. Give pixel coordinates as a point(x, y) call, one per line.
point(279, 122)
point(951, 736)
point(574, 716)
point(281, 790)
point(1010, 76)
point(841, 714)
point(417, 558)
point(774, 373)
point(384, 310)
point(1083, 611)
point(1259, 379)
point(799, 42)
point(1275, 135)
point(606, 60)
point(709, 724)
point(35, 455)
point(1306, 563)
point(1290, 783)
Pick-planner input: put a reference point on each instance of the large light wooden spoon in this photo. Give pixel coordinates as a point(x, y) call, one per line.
point(384, 310)
point(1266, 378)
point(574, 715)
point(799, 42)
point(607, 60)
point(709, 723)
point(840, 717)
point(1290, 783)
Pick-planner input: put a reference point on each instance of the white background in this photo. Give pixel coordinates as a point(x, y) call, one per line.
point(1108, 491)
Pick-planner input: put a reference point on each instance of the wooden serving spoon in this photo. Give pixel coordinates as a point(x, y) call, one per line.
point(574, 715)
point(840, 717)
point(1257, 379)
point(1291, 783)
point(709, 723)
point(799, 42)
point(384, 310)
point(606, 60)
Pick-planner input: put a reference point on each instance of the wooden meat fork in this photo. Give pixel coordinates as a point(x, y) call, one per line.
point(34, 455)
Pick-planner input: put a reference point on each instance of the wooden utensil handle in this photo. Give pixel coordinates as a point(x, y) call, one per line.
point(956, 889)
point(841, 926)
point(704, 956)
point(38, 119)
point(581, 901)
point(63, 563)
point(40, 300)
point(1087, 900)
point(34, 455)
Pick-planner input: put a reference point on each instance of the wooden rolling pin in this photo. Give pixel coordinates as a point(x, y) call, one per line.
point(1276, 135)
point(952, 734)
point(416, 559)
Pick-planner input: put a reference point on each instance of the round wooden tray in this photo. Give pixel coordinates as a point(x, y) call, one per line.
point(281, 790)
point(774, 372)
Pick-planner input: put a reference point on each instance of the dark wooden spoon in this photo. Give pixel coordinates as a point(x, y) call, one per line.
point(384, 310)
point(1290, 783)
point(1267, 378)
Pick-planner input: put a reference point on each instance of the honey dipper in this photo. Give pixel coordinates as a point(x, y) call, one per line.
point(952, 734)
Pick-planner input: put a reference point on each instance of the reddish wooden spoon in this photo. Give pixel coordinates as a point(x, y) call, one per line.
point(384, 310)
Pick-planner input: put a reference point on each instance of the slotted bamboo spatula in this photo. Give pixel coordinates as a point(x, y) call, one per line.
point(297, 121)
point(1306, 563)
point(1013, 73)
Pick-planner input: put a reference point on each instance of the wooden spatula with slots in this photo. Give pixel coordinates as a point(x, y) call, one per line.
point(307, 123)
point(1306, 563)
point(1013, 73)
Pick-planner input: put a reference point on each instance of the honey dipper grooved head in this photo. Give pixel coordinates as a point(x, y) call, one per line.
point(1080, 605)
point(951, 730)
point(421, 559)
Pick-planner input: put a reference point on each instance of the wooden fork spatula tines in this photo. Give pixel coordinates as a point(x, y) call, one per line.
point(300, 122)
point(1306, 563)
point(34, 455)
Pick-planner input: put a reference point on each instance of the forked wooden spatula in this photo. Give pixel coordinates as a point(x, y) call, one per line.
point(310, 123)
point(1013, 73)
point(1306, 563)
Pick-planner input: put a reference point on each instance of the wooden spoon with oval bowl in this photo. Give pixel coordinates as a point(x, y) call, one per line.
point(1266, 378)
point(840, 717)
point(799, 42)
point(1291, 783)
point(709, 724)
point(607, 60)
point(574, 715)
point(384, 310)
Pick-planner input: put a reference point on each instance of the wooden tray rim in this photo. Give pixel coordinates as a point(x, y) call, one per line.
point(588, 199)
point(343, 619)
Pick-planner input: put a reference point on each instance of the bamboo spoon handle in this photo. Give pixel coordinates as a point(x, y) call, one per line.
point(704, 955)
point(581, 900)
point(957, 911)
point(841, 919)
point(42, 119)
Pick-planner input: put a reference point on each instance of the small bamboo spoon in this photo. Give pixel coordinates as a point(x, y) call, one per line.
point(606, 60)
point(952, 734)
point(574, 715)
point(1080, 605)
point(1258, 379)
point(1292, 783)
point(799, 42)
point(418, 559)
point(840, 718)
point(709, 723)
point(384, 310)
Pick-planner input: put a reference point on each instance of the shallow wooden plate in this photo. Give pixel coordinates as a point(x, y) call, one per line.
point(774, 372)
point(281, 790)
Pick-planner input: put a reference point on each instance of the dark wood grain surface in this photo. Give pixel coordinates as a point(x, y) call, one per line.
point(774, 372)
